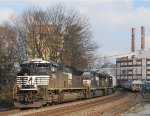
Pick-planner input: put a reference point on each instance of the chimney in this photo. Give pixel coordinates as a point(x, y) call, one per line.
point(133, 40)
point(142, 37)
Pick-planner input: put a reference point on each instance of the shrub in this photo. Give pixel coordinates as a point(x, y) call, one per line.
point(6, 100)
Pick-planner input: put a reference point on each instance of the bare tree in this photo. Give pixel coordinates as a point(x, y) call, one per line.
point(8, 44)
point(58, 34)
point(37, 36)
point(75, 29)
point(8, 54)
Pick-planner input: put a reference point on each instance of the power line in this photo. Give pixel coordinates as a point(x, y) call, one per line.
point(116, 56)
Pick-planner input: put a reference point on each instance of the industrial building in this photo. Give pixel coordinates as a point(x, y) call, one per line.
point(136, 65)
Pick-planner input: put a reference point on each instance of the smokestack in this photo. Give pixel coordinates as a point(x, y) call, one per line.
point(142, 37)
point(133, 40)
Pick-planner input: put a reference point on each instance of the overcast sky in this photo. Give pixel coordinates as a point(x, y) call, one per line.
point(111, 20)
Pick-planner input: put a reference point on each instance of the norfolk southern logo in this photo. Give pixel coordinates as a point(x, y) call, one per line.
point(30, 80)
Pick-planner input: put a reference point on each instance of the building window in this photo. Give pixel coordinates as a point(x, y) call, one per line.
point(124, 72)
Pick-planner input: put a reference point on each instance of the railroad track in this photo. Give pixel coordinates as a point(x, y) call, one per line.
point(69, 110)
point(7, 112)
point(118, 106)
point(91, 107)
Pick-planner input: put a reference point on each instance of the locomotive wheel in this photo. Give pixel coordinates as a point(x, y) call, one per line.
point(93, 94)
point(80, 96)
point(28, 99)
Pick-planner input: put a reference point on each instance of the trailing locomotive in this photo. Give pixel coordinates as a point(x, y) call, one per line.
point(99, 83)
point(41, 82)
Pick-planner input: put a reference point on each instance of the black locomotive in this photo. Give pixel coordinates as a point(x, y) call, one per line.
point(40, 82)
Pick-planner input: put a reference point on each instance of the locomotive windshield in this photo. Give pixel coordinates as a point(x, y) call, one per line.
point(42, 65)
point(87, 75)
point(34, 69)
point(33, 65)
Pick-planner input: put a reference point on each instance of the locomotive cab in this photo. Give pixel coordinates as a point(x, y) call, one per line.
point(35, 73)
point(32, 81)
point(87, 79)
point(37, 68)
point(90, 79)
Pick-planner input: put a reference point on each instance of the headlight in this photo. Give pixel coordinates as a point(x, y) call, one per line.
point(20, 86)
point(35, 86)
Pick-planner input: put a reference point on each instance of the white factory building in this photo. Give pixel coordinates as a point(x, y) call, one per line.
point(137, 64)
point(134, 67)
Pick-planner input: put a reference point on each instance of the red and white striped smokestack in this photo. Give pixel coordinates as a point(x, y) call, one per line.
point(142, 37)
point(133, 40)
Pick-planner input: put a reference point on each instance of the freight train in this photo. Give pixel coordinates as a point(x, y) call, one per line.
point(145, 89)
point(41, 82)
point(132, 85)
